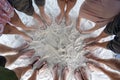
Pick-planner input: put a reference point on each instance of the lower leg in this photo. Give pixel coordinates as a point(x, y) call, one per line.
point(102, 35)
point(13, 58)
point(5, 49)
point(96, 27)
point(12, 30)
point(18, 23)
point(45, 16)
point(112, 63)
point(110, 74)
point(34, 75)
point(61, 4)
point(37, 17)
point(70, 5)
point(21, 71)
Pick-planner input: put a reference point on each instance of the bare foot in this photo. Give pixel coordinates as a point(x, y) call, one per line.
point(29, 28)
point(78, 25)
point(27, 38)
point(59, 18)
point(40, 64)
point(47, 19)
point(34, 75)
point(27, 53)
point(37, 17)
point(77, 74)
point(90, 56)
point(64, 73)
point(22, 47)
point(90, 40)
point(84, 73)
point(55, 72)
point(34, 60)
point(68, 20)
point(91, 47)
point(93, 66)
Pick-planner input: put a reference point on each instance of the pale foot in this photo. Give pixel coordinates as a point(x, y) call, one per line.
point(64, 73)
point(68, 20)
point(47, 19)
point(59, 18)
point(55, 72)
point(77, 74)
point(84, 73)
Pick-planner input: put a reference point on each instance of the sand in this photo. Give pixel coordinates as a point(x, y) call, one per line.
point(57, 44)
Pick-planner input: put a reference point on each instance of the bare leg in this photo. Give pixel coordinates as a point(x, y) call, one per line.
point(16, 21)
point(61, 4)
point(84, 73)
point(40, 64)
point(96, 27)
point(110, 74)
point(12, 30)
point(21, 71)
point(34, 75)
point(45, 16)
point(112, 63)
point(90, 40)
point(64, 73)
point(78, 23)
point(5, 49)
point(13, 58)
point(37, 17)
point(55, 72)
point(70, 5)
point(78, 75)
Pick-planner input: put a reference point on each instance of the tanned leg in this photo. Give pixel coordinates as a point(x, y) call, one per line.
point(70, 5)
point(90, 40)
point(4, 49)
point(21, 71)
point(110, 74)
point(78, 22)
point(34, 75)
point(112, 63)
point(13, 58)
point(12, 30)
point(61, 4)
point(45, 16)
point(37, 17)
point(18, 23)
